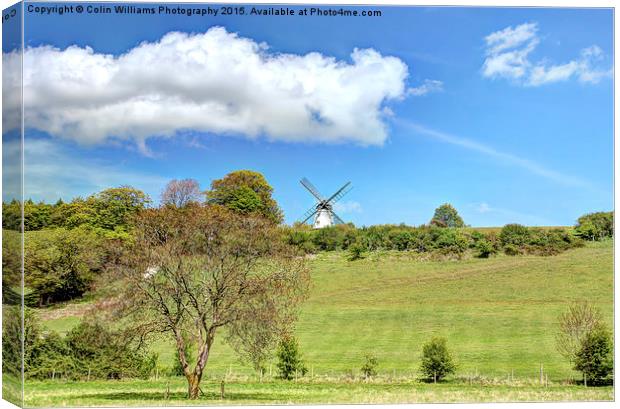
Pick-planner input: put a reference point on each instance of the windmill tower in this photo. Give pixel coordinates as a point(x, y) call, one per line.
point(323, 210)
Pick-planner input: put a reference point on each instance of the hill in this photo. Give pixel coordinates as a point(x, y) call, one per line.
point(498, 314)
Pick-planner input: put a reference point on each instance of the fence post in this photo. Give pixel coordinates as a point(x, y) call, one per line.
point(541, 374)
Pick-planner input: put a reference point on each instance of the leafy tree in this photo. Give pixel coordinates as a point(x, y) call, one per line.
point(245, 201)
point(575, 324)
point(447, 216)
point(437, 362)
point(369, 369)
point(212, 263)
point(595, 226)
point(115, 207)
point(290, 363)
point(180, 193)
point(595, 356)
point(62, 264)
point(11, 215)
point(233, 191)
point(11, 267)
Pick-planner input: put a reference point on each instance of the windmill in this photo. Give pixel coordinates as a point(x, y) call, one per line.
point(323, 209)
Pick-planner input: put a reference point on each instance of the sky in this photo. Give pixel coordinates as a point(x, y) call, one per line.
point(506, 113)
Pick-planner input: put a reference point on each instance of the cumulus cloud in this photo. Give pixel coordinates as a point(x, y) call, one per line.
point(508, 56)
point(216, 82)
point(427, 87)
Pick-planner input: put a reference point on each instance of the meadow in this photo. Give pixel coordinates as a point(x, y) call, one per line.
point(499, 316)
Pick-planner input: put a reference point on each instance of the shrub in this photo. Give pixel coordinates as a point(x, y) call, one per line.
point(595, 226)
point(485, 248)
point(101, 353)
point(451, 241)
point(290, 364)
point(511, 250)
point(595, 357)
point(356, 252)
point(12, 338)
point(437, 361)
point(369, 369)
point(514, 234)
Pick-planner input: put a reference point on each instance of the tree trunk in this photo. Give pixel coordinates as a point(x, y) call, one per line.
point(193, 390)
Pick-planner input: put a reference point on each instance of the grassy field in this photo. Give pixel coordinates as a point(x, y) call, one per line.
point(149, 393)
point(499, 316)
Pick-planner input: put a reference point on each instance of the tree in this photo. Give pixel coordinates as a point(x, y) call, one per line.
point(180, 193)
point(595, 226)
point(290, 363)
point(574, 326)
point(245, 191)
point(437, 361)
point(115, 207)
point(595, 357)
point(369, 369)
point(194, 272)
point(62, 264)
point(447, 216)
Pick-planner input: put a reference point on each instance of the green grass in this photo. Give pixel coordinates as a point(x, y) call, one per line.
point(150, 393)
point(499, 316)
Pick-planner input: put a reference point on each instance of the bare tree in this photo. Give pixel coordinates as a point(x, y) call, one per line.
point(575, 324)
point(180, 193)
point(198, 271)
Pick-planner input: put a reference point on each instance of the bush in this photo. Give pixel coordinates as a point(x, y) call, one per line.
point(12, 338)
point(100, 353)
point(485, 248)
point(369, 369)
point(437, 361)
point(290, 364)
point(511, 250)
point(595, 226)
point(451, 241)
point(356, 251)
point(514, 234)
point(595, 357)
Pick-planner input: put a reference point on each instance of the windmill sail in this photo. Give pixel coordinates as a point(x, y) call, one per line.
point(322, 211)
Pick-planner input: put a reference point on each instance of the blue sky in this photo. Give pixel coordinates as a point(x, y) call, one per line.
point(505, 113)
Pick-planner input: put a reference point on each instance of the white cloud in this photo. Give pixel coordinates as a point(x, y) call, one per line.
point(214, 82)
point(428, 86)
point(348, 207)
point(508, 56)
point(507, 158)
point(53, 173)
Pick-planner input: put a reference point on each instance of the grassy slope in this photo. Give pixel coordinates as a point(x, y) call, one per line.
point(498, 314)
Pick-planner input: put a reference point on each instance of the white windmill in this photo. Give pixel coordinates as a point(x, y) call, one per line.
point(323, 210)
